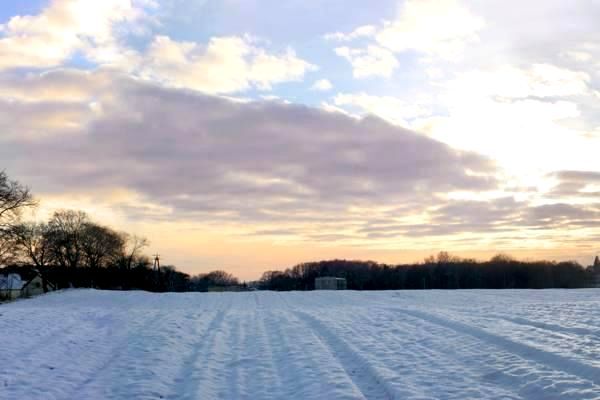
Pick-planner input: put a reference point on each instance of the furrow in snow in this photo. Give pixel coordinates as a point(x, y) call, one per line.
point(188, 384)
point(110, 352)
point(358, 370)
point(536, 355)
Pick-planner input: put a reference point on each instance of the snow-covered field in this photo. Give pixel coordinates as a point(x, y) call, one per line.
point(86, 344)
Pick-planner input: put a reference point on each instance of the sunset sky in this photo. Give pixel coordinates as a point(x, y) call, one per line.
point(249, 135)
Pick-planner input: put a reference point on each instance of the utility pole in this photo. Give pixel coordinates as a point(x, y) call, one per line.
point(156, 266)
point(156, 269)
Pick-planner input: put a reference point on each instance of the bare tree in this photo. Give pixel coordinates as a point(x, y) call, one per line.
point(14, 197)
point(7, 249)
point(134, 246)
point(33, 242)
point(100, 245)
point(66, 229)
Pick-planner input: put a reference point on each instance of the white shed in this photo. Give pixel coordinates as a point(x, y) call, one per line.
point(330, 283)
point(10, 286)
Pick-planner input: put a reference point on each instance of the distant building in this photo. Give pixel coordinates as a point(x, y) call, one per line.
point(596, 273)
point(330, 283)
point(26, 284)
point(231, 288)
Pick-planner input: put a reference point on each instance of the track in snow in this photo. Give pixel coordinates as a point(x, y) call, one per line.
point(362, 374)
point(312, 345)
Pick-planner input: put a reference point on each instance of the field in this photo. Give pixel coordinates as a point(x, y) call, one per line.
point(87, 344)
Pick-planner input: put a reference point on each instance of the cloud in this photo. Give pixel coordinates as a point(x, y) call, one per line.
point(94, 29)
point(440, 28)
point(322, 85)
point(562, 215)
point(31, 121)
point(493, 221)
point(497, 82)
point(361, 31)
point(578, 176)
point(262, 161)
point(63, 28)
point(537, 80)
point(224, 65)
point(392, 109)
point(281, 170)
point(437, 29)
point(506, 111)
point(578, 185)
point(370, 61)
point(56, 85)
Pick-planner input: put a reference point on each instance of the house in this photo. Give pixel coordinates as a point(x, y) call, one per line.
point(330, 283)
point(23, 283)
point(10, 286)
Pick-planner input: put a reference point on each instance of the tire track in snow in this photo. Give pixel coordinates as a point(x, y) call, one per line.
point(550, 327)
point(287, 371)
point(115, 353)
point(43, 350)
point(358, 370)
point(73, 377)
point(234, 360)
point(45, 339)
point(190, 384)
point(554, 361)
point(268, 376)
point(303, 364)
point(147, 369)
point(252, 373)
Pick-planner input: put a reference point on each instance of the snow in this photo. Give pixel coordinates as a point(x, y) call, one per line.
point(88, 344)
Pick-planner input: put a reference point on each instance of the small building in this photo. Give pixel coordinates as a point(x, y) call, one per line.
point(30, 283)
point(330, 283)
point(10, 286)
point(35, 286)
point(596, 273)
point(230, 288)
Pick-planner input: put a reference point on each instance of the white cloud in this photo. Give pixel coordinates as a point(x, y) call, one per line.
point(331, 108)
point(92, 28)
point(224, 65)
point(508, 112)
point(392, 109)
point(439, 28)
point(64, 27)
point(60, 85)
point(434, 28)
point(368, 62)
point(578, 56)
point(361, 31)
point(537, 80)
point(322, 85)
point(267, 69)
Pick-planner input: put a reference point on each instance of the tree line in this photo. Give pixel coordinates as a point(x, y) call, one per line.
point(72, 250)
point(436, 272)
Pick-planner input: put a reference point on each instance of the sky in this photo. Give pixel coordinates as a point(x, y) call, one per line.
point(251, 135)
